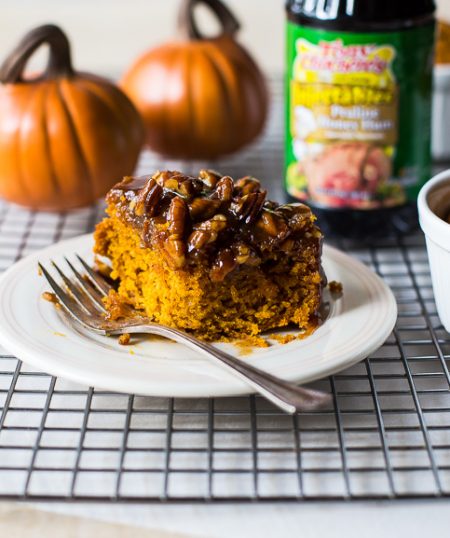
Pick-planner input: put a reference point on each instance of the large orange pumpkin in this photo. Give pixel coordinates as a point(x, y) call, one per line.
point(65, 137)
point(199, 97)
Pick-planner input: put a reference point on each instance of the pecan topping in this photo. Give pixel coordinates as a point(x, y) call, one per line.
point(224, 189)
point(176, 216)
point(212, 219)
point(148, 199)
point(248, 206)
point(174, 245)
point(223, 264)
point(297, 215)
point(206, 232)
point(175, 250)
point(247, 184)
point(272, 224)
point(190, 187)
point(209, 177)
point(244, 254)
point(162, 177)
point(203, 208)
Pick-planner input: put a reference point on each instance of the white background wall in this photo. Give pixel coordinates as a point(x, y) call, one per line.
point(107, 35)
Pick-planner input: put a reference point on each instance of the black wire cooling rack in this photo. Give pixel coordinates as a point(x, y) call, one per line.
point(386, 435)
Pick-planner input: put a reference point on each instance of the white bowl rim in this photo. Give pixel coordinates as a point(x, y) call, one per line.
point(442, 70)
point(432, 225)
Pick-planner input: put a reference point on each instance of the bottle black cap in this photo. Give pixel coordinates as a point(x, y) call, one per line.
point(362, 15)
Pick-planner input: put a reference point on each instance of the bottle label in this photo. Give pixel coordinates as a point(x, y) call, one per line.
point(358, 114)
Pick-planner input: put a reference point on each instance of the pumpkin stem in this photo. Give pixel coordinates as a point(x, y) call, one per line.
point(59, 61)
point(188, 25)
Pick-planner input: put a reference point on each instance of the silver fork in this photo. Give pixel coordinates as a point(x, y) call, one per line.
point(83, 302)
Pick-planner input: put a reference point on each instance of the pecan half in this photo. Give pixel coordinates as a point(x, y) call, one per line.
point(190, 187)
point(224, 189)
point(247, 184)
point(203, 208)
point(209, 177)
point(162, 177)
point(206, 232)
point(148, 199)
point(175, 250)
point(272, 225)
point(176, 216)
point(296, 214)
point(248, 207)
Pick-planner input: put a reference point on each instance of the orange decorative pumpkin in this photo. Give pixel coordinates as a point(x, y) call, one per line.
point(65, 137)
point(201, 97)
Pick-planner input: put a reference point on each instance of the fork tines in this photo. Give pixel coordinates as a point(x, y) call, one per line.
point(82, 294)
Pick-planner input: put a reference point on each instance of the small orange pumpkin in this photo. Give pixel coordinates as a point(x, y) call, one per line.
point(65, 137)
point(201, 97)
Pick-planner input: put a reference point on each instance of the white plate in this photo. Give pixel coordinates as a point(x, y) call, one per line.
point(33, 330)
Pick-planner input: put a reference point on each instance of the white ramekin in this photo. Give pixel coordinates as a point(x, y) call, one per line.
point(434, 200)
point(440, 133)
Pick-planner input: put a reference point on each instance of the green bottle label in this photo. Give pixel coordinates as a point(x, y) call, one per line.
point(358, 113)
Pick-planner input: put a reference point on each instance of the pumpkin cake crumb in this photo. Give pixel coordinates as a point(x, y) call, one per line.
point(336, 289)
point(102, 268)
point(211, 256)
point(249, 343)
point(283, 338)
point(115, 306)
point(124, 339)
point(50, 297)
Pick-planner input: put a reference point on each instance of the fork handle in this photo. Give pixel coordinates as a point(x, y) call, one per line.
point(287, 396)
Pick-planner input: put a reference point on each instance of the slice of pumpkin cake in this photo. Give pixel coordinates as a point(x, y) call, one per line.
point(211, 256)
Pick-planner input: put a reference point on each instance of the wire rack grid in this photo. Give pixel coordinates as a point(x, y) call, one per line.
point(386, 434)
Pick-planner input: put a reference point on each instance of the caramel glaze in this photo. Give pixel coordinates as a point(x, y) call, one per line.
point(210, 219)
